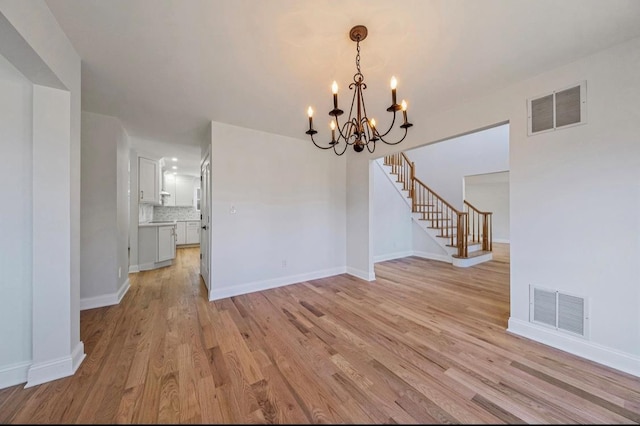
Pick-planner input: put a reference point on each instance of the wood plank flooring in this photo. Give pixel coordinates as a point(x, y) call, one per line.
point(424, 343)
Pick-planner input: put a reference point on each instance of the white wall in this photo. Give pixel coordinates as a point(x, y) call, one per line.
point(394, 232)
point(34, 43)
point(16, 213)
point(123, 149)
point(391, 225)
point(490, 193)
point(278, 211)
point(562, 184)
point(442, 166)
point(105, 211)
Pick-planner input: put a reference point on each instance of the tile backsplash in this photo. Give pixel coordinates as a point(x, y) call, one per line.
point(145, 212)
point(175, 213)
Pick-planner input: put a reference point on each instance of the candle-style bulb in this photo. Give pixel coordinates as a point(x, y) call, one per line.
point(373, 123)
point(404, 112)
point(334, 89)
point(333, 132)
point(394, 83)
point(310, 112)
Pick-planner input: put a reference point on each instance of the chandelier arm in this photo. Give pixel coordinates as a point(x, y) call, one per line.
point(364, 122)
point(339, 127)
point(349, 119)
point(347, 135)
point(321, 147)
point(389, 129)
point(343, 151)
point(396, 143)
point(374, 146)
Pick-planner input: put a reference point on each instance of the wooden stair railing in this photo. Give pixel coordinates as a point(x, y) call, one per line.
point(480, 226)
point(452, 223)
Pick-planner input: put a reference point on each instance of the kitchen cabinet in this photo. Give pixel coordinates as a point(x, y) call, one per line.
point(148, 181)
point(184, 190)
point(156, 244)
point(193, 232)
point(181, 233)
point(169, 189)
point(188, 232)
point(181, 188)
point(166, 243)
point(196, 194)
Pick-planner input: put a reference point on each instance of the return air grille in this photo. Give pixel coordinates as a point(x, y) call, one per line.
point(558, 310)
point(558, 109)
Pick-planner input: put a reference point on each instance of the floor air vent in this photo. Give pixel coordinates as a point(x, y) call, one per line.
point(558, 310)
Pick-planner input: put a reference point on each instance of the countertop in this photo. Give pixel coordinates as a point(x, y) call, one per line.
point(158, 223)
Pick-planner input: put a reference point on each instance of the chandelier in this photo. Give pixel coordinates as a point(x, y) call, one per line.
point(358, 130)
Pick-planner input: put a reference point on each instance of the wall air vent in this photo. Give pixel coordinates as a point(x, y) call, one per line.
point(557, 310)
point(559, 109)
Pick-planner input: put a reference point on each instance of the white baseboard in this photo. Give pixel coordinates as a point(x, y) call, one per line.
point(501, 240)
point(583, 348)
point(133, 269)
point(155, 265)
point(391, 256)
point(237, 290)
point(432, 256)
point(367, 276)
point(14, 374)
point(106, 299)
point(43, 372)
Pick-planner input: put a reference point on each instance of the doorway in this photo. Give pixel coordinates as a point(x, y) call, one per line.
point(205, 221)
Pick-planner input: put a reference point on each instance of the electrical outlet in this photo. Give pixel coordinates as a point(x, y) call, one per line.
point(284, 263)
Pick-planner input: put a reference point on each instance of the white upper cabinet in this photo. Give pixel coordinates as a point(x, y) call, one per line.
point(169, 181)
point(196, 193)
point(184, 190)
point(181, 189)
point(148, 181)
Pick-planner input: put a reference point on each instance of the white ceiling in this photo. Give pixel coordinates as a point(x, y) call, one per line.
point(166, 68)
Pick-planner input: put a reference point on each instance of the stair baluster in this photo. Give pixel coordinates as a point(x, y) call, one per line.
point(458, 226)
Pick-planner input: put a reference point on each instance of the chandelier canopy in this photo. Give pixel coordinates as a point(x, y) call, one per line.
point(358, 130)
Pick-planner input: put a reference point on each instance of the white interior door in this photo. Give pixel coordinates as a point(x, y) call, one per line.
point(205, 221)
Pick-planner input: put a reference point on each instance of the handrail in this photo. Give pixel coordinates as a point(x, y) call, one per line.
point(481, 226)
point(438, 196)
point(442, 215)
point(475, 208)
point(470, 222)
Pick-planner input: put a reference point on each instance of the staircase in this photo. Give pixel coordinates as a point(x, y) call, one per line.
point(464, 235)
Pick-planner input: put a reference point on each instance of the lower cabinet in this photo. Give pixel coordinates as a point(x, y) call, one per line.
point(188, 232)
point(166, 243)
point(181, 233)
point(193, 232)
point(156, 246)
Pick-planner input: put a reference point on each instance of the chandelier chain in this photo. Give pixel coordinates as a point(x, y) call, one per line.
point(358, 56)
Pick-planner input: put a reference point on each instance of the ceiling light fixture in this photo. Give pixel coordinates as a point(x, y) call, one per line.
point(358, 130)
point(174, 159)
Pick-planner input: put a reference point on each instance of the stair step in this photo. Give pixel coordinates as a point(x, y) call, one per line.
point(472, 254)
point(469, 244)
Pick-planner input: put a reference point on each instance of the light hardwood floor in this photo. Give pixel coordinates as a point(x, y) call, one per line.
point(424, 343)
